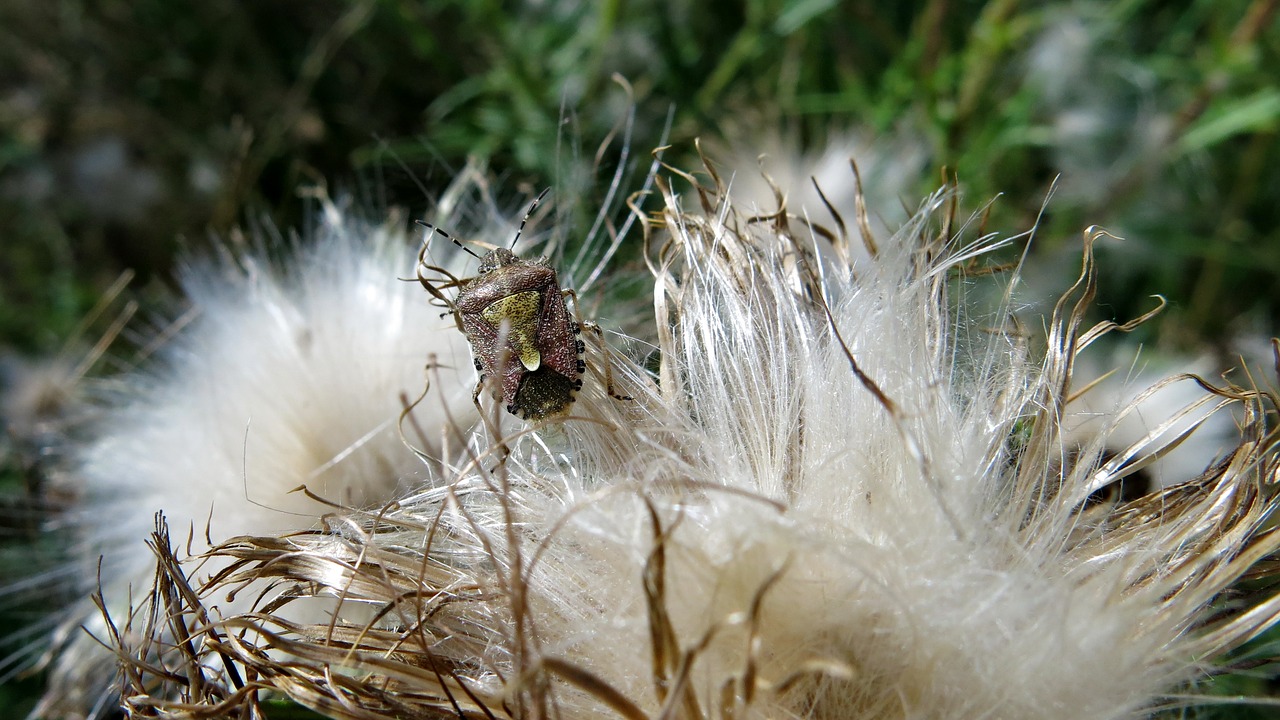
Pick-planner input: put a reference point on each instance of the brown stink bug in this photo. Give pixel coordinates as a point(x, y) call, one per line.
point(515, 316)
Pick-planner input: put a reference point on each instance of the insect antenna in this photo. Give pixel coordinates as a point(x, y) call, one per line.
point(532, 207)
point(451, 238)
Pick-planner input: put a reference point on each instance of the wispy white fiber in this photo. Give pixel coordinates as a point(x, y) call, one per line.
point(293, 372)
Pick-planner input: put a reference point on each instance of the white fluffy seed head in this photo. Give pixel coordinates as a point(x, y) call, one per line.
point(856, 503)
point(845, 494)
point(292, 372)
point(839, 542)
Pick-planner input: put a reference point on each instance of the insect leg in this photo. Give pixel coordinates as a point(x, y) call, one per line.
point(604, 347)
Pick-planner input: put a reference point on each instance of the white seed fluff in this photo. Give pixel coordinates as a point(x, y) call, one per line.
point(290, 374)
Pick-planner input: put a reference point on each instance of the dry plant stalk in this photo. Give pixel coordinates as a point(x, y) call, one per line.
point(845, 494)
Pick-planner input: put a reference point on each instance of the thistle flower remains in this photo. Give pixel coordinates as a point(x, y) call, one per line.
point(843, 493)
point(277, 399)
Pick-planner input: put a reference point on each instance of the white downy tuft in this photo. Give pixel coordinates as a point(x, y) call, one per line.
point(293, 371)
point(844, 493)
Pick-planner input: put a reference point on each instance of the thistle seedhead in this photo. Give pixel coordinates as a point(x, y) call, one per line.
point(842, 493)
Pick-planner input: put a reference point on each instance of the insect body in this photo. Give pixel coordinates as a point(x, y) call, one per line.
point(538, 359)
point(515, 316)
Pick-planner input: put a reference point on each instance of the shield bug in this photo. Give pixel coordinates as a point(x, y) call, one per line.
point(515, 315)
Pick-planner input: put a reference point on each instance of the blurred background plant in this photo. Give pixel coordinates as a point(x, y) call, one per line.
point(128, 128)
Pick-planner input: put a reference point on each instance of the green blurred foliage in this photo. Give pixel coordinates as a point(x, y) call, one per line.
point(128, 127)
point(222, 110)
